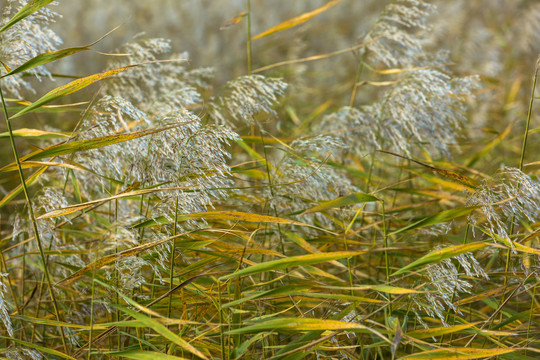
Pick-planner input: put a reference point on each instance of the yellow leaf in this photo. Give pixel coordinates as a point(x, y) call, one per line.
point(296, 20)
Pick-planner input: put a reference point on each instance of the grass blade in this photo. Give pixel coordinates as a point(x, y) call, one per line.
point(292, 261)
point(296, 20)
point(145, 355)
point(25, 11)
point(441, 217)
point(70, 88)
point(458, 354)
point(43, 349)
point(441, 254)
point(351, 199)
point(162, 330)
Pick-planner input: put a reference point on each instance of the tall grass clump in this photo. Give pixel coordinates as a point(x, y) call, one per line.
point(346, 180)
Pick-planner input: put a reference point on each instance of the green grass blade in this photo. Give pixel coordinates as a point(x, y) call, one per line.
point(51, 56)
point(441, 254)
point(70, 88)
point(162, 330)
point(443, 216)
point(25, 11)
point(292, 261)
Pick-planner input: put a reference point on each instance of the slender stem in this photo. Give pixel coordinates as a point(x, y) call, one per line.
point(172, 258)
point(521, 159)
point(248, 42)
point(387, 265)
point(32, 217)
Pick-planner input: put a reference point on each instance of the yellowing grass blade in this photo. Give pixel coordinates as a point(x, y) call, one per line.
point(28, 9)
point(296, 20)
point(162, 330)
point(70, 88)
point(225, 215)
point(235, 20)
point(83, 145)
point(441, 254)
point(292, 261)
point(74, 208)
point(146, 355)
point(427, 333)
point(113, 257)
point(454, 176)
point(459, 354)
point(31, 180)
point(351, 199)
point(35, 133)
point(305, 324)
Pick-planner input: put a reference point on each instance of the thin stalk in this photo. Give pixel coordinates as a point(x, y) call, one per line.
point(527, 341)
point(32, 217)
point(386, 265)
point(248, 41)
point(521, 159)
point(356, 81)
point(171, 277)
point(172, 258)
point(221, 323)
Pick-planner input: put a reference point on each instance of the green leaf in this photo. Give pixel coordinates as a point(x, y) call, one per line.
point(292, 261)
point(443, 216)
point(441, 254)
point(28, 9)
point(51, 56)
point(162, 330)
point(83, 145)
point(70, 88)
point(355, 198)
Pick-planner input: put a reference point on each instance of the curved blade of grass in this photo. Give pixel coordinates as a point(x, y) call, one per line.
point(427, 333)
point(459, 354)
point(296, 20)
point(454, 176)
point(224, 215)
point(242, 348)
point(145, 355)
point(51, 56)
point(443, 216)
point(87, 144)
point(70, 88)
point(43, 349)
point(441, 254)
point(79, 207)
point(29, 181)
point(113, 257)
point(287, 289)
point(492, 144)
point(304, 324)
point(25, 11)
point(352, 199)
point(35, 133)
point(162, 330)
point(292, 261)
